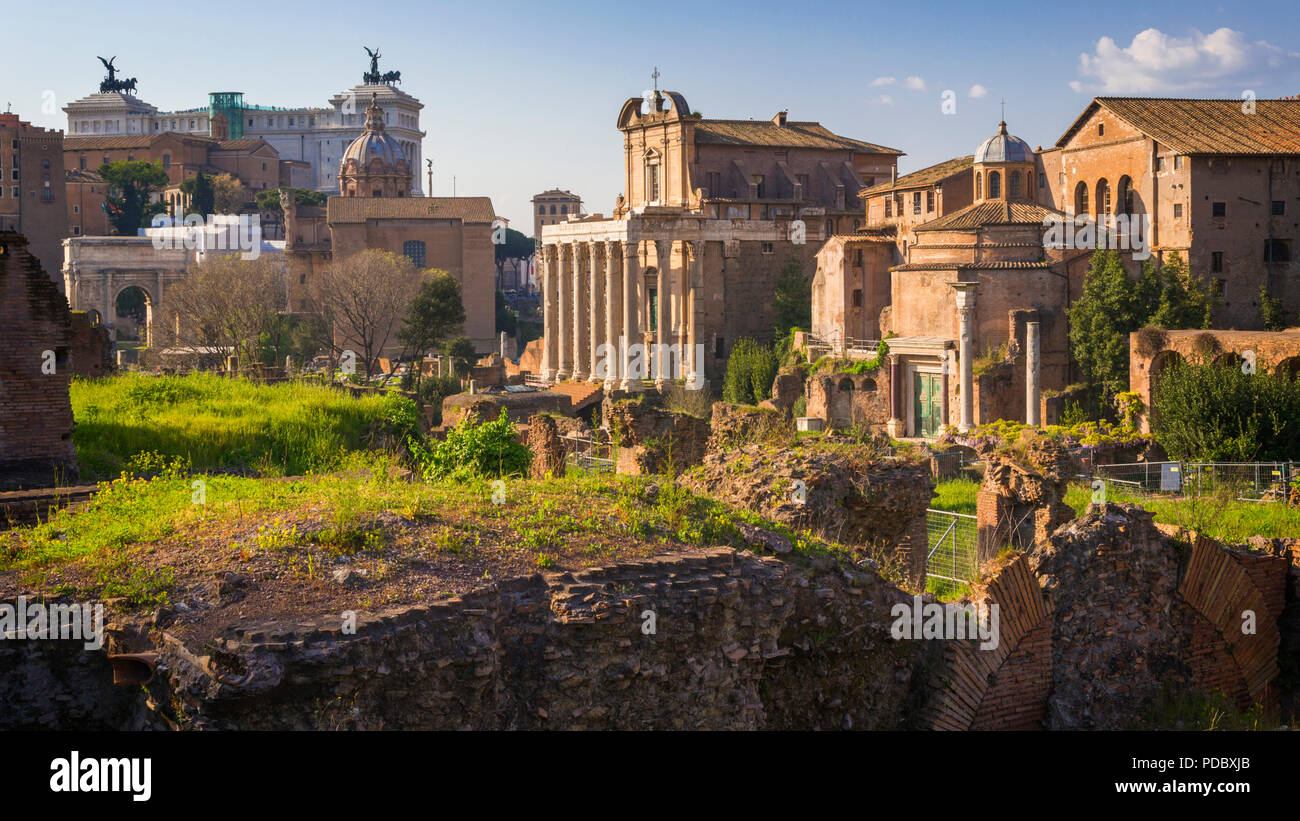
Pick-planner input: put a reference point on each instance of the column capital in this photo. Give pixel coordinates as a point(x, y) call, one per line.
point(965, 295)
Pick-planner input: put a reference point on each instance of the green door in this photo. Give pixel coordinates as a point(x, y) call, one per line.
point(927, 404)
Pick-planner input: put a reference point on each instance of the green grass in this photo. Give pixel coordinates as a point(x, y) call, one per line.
point(212, 423)
point(956, 495)
point(1220, 516)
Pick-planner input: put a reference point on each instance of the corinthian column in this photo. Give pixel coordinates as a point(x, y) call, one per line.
point(965, 310)
point(596, 307)
point(564, 305)
point(579, 340)
point(631, 319)
point(550, 331)
point(663, 296)
point(613, 310)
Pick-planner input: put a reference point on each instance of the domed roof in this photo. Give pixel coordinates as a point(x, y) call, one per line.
point(1003, 147)
point(374, 141)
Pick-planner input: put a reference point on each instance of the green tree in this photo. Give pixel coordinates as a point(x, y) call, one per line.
point(461, 352)
point(131, 186)
point(229, 195)
point(201, 194)
point(269, 200)
point(507, 320)
point(1219, 413)
point(435, 313)
point(751, 369)
point(792, 303)
point(1271, 314)
point(516, 247)
point(1100, 322)
point(1185, 300)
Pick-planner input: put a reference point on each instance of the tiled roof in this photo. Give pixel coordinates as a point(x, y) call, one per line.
point(970, 266)
point(246, 144)
point(360, 209)
point(124, 141)
point(766, 133)
point(1191, 126)
point(990, 212)
point(926, 176)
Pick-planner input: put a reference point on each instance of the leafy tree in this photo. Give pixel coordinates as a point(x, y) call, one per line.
point(516, 247)
point(228, 194)
point(201, 193)
point(269, 200)
point(131, 186)
point(1218, 413)
point(1185, 301)
point(1100, 322)
point(1271, 314)
point(751, 368)
point(461, 351)
point(507, 320)
point(435, 313)
point(793, 300)
point(227, 302)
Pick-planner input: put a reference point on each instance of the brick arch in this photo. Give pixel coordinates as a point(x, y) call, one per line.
point(1219, 586)
point(1004, 688)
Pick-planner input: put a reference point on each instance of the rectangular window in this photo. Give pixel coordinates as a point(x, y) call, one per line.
point(769, 248)
point(857, 297)
point(719, 347)
point(1216, 262)
point(889, 207)
point(1160, 163)
point(1178, 163)
point(1279, 208)
point(654, 183)
point(929, 202)
point(1219, 209)
point(654, 308)
point(1178, 210)
point(916, 202)
point(761, 184)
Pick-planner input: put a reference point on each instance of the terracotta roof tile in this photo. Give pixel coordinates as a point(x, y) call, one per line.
point(971, 266)
point(1191, 126)
point(924, 177)
point(990, 212)
point(792, 135)
point(360, 209)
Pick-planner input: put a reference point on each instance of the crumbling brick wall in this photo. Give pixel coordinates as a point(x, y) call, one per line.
point(653, 440)
point(91, 348)
point(35, 410)
point(1021, 500)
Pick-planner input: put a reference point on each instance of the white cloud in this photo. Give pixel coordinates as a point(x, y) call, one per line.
point(978, 91)
point(884, 81)
point(1157, 62)
point(914, 83)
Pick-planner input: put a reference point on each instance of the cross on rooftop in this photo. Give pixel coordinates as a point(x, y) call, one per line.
point(655, 76)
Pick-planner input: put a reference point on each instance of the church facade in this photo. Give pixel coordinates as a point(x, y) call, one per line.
point(688, 261)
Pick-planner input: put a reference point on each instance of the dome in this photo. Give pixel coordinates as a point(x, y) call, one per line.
point(374, 141)
point(1003, 147)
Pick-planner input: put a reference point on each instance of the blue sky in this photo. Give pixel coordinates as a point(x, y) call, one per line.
point(522, 97)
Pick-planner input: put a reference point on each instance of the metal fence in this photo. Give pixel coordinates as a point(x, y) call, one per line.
point(589, 455)
point(1250, 481)
point(952, 554)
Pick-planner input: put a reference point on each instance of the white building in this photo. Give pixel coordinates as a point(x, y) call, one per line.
point(315, 135)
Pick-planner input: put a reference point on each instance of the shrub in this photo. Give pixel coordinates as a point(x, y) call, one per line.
point(751, 369)
point(1271, 314)
point(1218, 413)
point(478, 450)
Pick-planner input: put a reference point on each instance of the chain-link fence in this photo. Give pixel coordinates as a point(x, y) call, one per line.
point(1249, 481)
point(952, 554)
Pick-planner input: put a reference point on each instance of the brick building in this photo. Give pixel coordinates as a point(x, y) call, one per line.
point(87, 197)
point(35, 410)
point(374, 210)
point(712, 210)
point(550, 207)
point(32, 188)
point(1218, 181)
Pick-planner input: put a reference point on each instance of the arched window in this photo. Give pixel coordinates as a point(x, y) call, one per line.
point(1125, 195)
point(995, 185)
point(552, 210)
point(1103, 198)
point(1081, 198)
point(564, 209)
point(541, 209)
point(1013, 184)
point(979, 185)
point(830, 227)
point(414, 251)
point(167, 160)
